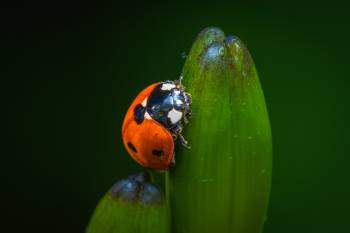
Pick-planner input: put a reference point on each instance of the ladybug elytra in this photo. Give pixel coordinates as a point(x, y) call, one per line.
point(154, 121)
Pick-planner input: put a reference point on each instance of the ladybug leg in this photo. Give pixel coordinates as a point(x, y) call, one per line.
point(176, 132)
point(188, 97)
point(181, 137)
point(187, 113)
point(175, 136)
point(187, 110)
point(183, 141)
point(185, 119)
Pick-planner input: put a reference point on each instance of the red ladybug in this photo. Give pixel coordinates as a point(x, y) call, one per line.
point(153, 121)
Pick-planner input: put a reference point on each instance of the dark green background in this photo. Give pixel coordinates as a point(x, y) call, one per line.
point(70, 71)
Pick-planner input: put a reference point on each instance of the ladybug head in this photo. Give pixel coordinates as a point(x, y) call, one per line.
point(169, 104)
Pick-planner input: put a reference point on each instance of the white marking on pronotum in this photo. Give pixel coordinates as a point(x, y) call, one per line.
point(167, 87)
point(144, 102)
point(174, 116)
point(147, 116)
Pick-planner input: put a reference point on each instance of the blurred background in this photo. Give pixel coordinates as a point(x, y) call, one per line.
point(70, 71)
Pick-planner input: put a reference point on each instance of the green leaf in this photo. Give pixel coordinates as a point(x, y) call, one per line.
point(133, 205)
point(222, 183)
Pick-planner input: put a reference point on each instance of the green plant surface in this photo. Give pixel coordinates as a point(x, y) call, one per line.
point(133, 205)
point(222, 183)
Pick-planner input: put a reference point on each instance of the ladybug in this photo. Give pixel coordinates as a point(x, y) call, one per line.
point(153, 121)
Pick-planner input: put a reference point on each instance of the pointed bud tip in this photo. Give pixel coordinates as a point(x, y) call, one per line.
point(150, 194)
point(141, 177)
point(212, 32)
point(239, 56)
point(137, 188)
point(210, 35)
point(217, 48)
point(126, 189)
point(231, 39)
point(213, 52)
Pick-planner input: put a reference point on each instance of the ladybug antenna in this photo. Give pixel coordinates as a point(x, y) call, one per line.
point(179, 81)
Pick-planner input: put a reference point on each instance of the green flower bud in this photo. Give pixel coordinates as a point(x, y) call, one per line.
point(222, 183)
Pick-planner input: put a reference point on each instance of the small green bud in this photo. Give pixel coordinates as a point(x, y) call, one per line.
point(132, 205)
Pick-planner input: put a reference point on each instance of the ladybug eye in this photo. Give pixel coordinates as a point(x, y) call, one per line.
point(157, 152)
point(132, 147)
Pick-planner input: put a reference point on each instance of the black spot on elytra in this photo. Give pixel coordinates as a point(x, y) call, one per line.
point(157, 152)
point(139, 113)
point(132, 147)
